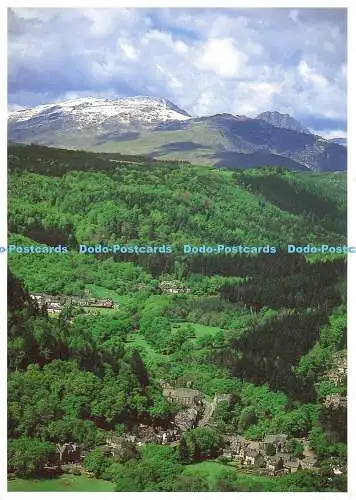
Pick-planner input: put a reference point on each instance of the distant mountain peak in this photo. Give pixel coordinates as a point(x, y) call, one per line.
point(88, 111)
point(282, 121)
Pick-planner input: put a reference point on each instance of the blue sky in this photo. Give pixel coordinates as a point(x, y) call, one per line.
point(207, 61)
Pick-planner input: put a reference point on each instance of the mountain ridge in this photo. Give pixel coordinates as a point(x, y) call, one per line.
point(157, 127)
point(281, 120)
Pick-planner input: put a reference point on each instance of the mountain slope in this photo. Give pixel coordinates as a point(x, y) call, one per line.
point(158, 128)
point(65, 183)
point(231, 141)
point(282, 121)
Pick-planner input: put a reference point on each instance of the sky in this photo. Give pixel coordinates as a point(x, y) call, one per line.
point(207, 61)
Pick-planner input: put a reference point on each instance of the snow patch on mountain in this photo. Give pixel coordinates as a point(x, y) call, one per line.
point(87, 111)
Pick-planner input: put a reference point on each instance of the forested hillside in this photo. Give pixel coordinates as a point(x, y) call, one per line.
point(267, 331)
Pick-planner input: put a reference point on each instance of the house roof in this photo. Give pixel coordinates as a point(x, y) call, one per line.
point(182, 392)
point(253, 446)
point(291, 463)
point(253, 453)
point(274, 460)
point(275, 438)
point(309, 460)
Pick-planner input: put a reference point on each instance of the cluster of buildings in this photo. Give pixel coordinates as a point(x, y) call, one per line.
point(51, 303)
point(271, 454)
point(55, 303)
point(172, 286)
point(251, 454)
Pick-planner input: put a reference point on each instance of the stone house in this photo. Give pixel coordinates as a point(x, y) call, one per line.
point(254, 457)
point(37, 298)
point(108, 303)
point(279, 441)
point(234, 447)
point(121, 447)
point(239, 448)
point(308, 463)
point(274, 464)
point(168, 436)
point(171, 287)
point(184, 396)
point(292, 465)
point(54, 307)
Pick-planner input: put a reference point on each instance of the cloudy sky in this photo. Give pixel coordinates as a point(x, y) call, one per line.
point(207, 61)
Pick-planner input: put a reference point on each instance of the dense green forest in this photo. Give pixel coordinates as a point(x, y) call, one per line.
point(268, 330)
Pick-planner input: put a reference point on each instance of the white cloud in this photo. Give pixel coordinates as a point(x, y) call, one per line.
point(220, 56)
point(294, 15)
point(129, 51)
point(207, 61)
point(312, 76)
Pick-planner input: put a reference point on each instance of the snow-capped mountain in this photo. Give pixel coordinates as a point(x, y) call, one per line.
point(282, 121)
point(157, 127)
point(88, 111)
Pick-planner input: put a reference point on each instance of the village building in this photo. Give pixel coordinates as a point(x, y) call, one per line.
point(308, 463)
point(36, 297)
point(54, 309)
point(121, 447)
point(279, 441)
point(183, 396)
point(254, 457)
point(54, 303)
point(237, 447)
point(292, 465)
point(168, 436)
point(274, 464)
point(103, 303)
point(172, 286)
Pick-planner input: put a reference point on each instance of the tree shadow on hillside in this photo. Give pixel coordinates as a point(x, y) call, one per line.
point(254, 160)
point(177, 147)
point(116, 136)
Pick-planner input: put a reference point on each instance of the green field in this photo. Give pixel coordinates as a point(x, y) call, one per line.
point(246, 481)
point(151, 358)
point(209, 468)
point(200, 330)
point(100, 292)
point(155, 359)
point(67, 482)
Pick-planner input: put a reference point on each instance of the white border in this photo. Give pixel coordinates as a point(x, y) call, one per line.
point(351, 236)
